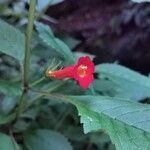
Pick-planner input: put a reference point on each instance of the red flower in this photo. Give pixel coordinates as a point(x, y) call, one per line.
point(82, 72)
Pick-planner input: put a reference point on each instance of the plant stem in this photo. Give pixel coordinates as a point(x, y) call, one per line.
point(37, 81)
point(44, 93)
point(21, 105)
point(27, 57)
point(28, 41)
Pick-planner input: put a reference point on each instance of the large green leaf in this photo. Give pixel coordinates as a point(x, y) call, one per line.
point(46, 140)
point(116, 80)
point(10, 88)
point(7, 143)
point(11, 41)
point(48, 37)
point(9, 93)
point(126, 122)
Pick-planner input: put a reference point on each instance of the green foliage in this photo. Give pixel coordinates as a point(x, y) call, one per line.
point(43, 4)
point(7, 143)
point(70, 41)
point(46, 140)
point(119, 81)
point(110, 106)
point(56, 1)
point(9, 93)
point(10, 88)
point(11, 41)
point(127, 123)
point(48, 37)
point(9, 68)
point(6, 118)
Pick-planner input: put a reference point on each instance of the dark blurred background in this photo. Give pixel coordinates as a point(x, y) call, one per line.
point(113, 30)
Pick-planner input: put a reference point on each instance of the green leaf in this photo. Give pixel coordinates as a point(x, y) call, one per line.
point(10, 88)
point(46, 140)
point(48, 38)
point(41, 5)
point(54, 2)
point(119, 81)
point(70, 41)
point(70, 88)
point(9, 93)
point(21, 125)
point(7, 143)
point(126, 122)
point(11, 41)
point(7, 118)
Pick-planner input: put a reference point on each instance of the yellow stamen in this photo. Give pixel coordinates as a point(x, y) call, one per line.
point(50, 73)
point(82, 70)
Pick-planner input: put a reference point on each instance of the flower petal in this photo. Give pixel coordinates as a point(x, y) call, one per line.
point(67, 72)
point(87, 62)
point(86, 81)
point(82, 72)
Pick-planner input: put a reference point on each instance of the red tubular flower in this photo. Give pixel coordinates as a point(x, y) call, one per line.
point(82, 72)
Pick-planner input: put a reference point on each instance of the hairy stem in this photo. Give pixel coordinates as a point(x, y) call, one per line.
point(27, 57)
point(37, 81)
point(28, 41)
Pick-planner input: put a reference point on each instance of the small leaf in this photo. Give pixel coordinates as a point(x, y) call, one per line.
point(11, 41)
point(119, 81)
point(126, 122)
point(6, 143)
point(48, 38)
point(46, 140)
